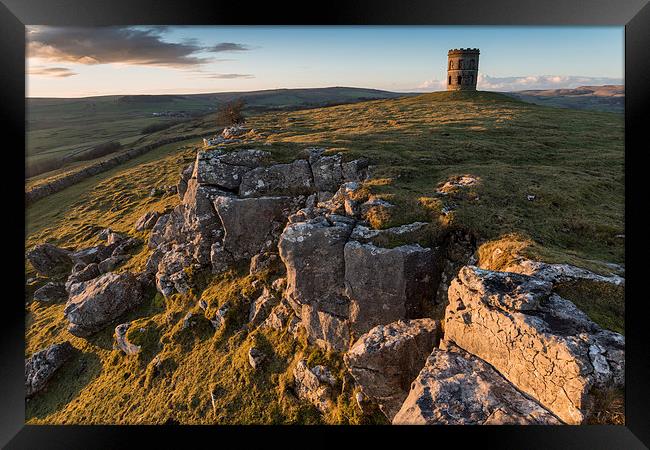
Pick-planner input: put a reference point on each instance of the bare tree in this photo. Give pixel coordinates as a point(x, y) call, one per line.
point(231, 113)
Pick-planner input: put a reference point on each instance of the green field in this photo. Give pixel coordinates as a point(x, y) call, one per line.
point(59, 128)
point(572, 162)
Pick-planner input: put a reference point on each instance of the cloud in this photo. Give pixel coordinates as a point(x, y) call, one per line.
point(229, 76)
point(507, 84)
point(227, 47)
point(125, 45)
point(57, 72)
point(431, 85)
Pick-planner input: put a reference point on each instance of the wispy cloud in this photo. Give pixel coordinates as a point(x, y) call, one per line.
point(508, 84)
point(228, 47)
point(229, 76)
point(124, 45)
point(56, 72)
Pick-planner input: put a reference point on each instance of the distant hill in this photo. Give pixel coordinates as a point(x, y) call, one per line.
point(60, 127)
point(610, 98)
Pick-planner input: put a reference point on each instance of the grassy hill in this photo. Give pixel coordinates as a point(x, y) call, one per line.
point(63, 127)
point(570, 160)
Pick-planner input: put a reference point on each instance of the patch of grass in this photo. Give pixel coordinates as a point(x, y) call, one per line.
point(608, 408)
point(604, 303)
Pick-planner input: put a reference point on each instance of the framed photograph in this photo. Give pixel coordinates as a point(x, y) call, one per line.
point(372, 218)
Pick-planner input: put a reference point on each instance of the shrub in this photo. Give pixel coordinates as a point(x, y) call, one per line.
point(231, 113)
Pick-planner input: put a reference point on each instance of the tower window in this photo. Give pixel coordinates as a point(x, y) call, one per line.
point(449, 79)
point(471, 64)
point(459, 80)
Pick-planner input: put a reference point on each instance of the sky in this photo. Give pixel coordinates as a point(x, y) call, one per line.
point(79, 62)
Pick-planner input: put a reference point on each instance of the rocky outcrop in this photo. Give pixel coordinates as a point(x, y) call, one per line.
point(41, 366)
point(95, 303)
point(539, 341)
point(294, 178)
point(314, 385)
point(225, 170)
point(312, 252)
point(456, 388)
point(50, 260)
point(51, 292)
point(386, 359)
point(385, 285)
point(250, 225)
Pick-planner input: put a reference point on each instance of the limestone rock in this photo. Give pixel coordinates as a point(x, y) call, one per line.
point(122, 342)
point(211, 169)
point(246, 158)
point(171, 276)
point(456, 388)
point(386, 359)
point(312, 252)
point(186, 174)
point(409, 232)
point(234, 131)
point(386, 285)
point(539, 341)
point(91, 254)
point(314, 385)
point(356, 170)
point(279, 317)
point(87, 273)
point(266, 261)
point(250, 222)
point(327, 172)
point(95, 303)
point(290, 178)
point(328, 331)
point(255, 357)
point(51, 292)
point(219, 318)
point(147, 220)
point(49, 260)
point(342, 201)
point(261, 307)
point(557, 273)
point(41, 366)
point(109, 264)
point(158, 231)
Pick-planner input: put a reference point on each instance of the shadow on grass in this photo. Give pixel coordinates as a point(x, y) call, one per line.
point(64, 386)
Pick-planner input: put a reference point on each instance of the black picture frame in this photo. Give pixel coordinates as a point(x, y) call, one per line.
point(633, 14)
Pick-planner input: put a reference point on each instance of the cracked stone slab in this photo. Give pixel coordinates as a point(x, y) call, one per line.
point(386, 359)
point(457, 388)
point(542, 343)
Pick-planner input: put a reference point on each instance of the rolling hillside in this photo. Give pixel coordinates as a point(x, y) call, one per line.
point(543, 182)
point(59, 128)
point(609, 98)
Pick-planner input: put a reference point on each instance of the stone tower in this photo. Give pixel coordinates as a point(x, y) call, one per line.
point(462, 69)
